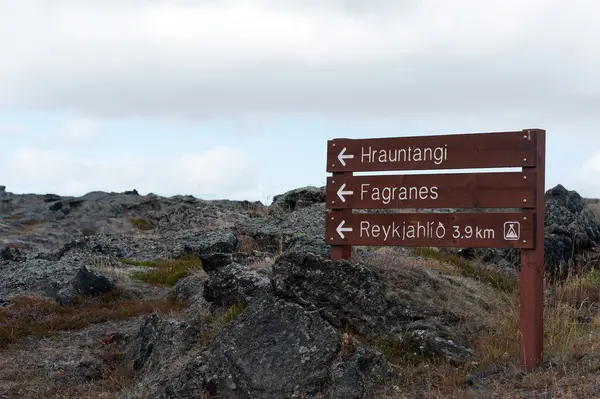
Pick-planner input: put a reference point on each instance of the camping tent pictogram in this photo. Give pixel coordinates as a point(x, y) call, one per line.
point(512, 230)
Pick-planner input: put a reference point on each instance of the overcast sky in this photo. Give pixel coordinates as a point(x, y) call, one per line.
point(237, 98)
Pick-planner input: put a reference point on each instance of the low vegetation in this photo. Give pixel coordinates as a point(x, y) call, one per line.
point(41, 318)
point(219, 318)
point(571, 336)
point(594, 206)
point(143, 224)
point(164, 272)
point(466, 268)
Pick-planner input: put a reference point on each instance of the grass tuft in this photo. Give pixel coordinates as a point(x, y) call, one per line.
point(493, 278)
point(213, 324)
point(143, 224)
point(399, 351)
point(164, 271)
point(233, 311)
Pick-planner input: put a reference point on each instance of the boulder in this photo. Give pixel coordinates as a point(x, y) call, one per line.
point(570, 229)
point(299, 198)
point(234, 283)
point(10, 253)
point(364, 372)
point(353, 296)
point(345, 294)
point(90, 283)
point(159, 341)
point(273, 349)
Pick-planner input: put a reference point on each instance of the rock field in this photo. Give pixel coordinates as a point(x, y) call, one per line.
point(265, 315)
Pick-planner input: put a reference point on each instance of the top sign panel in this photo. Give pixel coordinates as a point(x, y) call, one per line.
point(458, 151)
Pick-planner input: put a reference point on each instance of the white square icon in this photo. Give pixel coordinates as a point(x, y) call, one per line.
point(512, 231)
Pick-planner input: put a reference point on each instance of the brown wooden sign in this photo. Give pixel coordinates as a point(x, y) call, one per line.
point(461, 190)
point(523, 189)
point(473, 230)
point(463, 151)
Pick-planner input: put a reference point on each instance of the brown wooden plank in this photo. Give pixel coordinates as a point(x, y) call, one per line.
point(453, 190)
point(476, 230)
point(456, 151)
point(339, 252)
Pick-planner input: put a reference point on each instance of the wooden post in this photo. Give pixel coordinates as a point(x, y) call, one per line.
point(532, 267)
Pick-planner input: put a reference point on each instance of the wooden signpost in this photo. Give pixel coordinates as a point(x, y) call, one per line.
point(522, 190)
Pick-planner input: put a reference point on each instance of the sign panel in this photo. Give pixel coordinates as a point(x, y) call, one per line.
point(473, 230)
point(524, 149)
point(457, 151)
point(461, 190)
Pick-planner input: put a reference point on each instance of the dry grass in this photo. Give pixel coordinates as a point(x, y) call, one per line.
point(143, 224)
point(16, 245)
point(246, 243)
point(594, 206)
point(214, 323)
point(164, 271)
point(263, 266)
point(40, 318)
point(466, 268)
point(571, 326)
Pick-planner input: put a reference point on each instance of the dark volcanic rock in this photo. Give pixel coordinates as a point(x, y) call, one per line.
point(89, 283)
point(361, 374)
point(60, 279)
point(205, 242)
point(234, 283)
point(51, 197)
point(353, 296)
point(299, 198)
point(56, 206)
point(274, 349)
point(159, 342)
point(570, 229)
point(187, 287)
point(304, 243)
point(344, 294)
point(430, 344)
point(9, 253)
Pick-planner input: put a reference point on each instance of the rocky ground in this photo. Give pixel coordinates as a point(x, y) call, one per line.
point(119, 295)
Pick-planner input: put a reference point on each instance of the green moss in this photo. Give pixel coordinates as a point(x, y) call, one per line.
point(234, 311)
point(495, 279)
point(164, 271)
point(593, 277)
point(400, 350)
point(213, 324)
point(142, 224)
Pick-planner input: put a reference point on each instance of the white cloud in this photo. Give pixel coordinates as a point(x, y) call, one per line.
point(78, 130)
point(225, 58)
point(218, 172)
point(11, 130)
point(589, 176)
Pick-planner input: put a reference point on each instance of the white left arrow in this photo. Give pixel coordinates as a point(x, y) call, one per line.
point(341, 192)
point(342, 157)
point(340, 229)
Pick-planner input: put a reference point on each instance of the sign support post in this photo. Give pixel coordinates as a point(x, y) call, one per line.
point(531, 319)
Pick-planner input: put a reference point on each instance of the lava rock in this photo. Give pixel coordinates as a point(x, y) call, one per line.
point(89, 283)
point(234, 283)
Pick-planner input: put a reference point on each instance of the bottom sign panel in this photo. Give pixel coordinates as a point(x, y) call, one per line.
point(476, 230)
